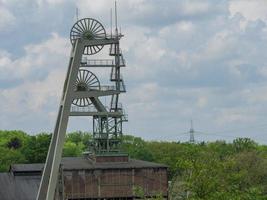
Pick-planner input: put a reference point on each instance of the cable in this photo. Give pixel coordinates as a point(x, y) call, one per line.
point(244, 128)
point(175, 134)
point(220, 133)
point(212, 134)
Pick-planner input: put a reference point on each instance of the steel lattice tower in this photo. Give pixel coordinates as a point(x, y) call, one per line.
point(192, 131)
point(81, 97)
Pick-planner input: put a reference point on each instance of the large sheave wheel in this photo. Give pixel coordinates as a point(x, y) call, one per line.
point(89, 29)
point(85, 81)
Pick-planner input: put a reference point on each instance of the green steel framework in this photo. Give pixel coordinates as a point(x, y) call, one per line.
point(81, 97)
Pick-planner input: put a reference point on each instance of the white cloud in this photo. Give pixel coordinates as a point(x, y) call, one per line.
point(202, 101)
point(185, 59)
point(251, 10)
point(5, 61)
point(49, 2)
point(97, 7)
point(7, 19)
point(34, 96)
point(196, 7)
point(182, 27)
point(236, 115)
point(38, 58)
point(217, 47)
point(262, 71)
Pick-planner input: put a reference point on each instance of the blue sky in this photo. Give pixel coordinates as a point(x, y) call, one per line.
point(187, 59)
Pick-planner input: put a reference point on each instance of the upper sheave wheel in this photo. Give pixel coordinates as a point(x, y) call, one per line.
point(89, 29)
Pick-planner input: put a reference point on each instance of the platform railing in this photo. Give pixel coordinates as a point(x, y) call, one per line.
point(97, 62)
point(107, 88)
point(122, 61)
point(112, 50)
point(113, 36)
point(102, 88)
point(125, 117)
point(90, 108)
point(119, 106)
point(113, 75)
point(122, 86)
point(101, 62)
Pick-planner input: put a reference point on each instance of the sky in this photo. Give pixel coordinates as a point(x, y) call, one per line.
point(186, 59)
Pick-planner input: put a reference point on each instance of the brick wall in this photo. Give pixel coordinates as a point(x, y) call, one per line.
point(114, 183)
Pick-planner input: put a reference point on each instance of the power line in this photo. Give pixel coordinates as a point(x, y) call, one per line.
point(240, 129)
point(221, 134)
point(214, 134)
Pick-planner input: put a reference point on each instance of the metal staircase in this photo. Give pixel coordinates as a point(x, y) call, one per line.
point(81, 97)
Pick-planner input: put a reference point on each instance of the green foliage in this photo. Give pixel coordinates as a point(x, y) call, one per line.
point(8, 157)
point(18, 147)
point(237, 173)
point(72, 149)
point(136, 148)
point(205, 171)
point(76, 143)
point(14, 143)
point(244, 144)
point(36, 148)
point(140, 194)
point(11, 144)
point(6, 137)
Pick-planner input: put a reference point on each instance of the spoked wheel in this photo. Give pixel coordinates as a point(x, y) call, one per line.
point(89, 29)
point(85, 81)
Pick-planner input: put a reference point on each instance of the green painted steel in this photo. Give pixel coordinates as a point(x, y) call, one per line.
point(81, 97)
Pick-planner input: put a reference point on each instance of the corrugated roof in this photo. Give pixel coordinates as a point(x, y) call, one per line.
point(76, 163)
point(70, 163)
point(23, 182)
point(18, 187)
point(27, 167)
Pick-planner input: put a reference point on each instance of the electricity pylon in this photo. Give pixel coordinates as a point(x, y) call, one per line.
point(192, 133)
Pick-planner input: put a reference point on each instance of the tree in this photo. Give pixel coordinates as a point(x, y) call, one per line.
point(73, 150)
point(244, 144)
point(36, 148)
point(205, 171)
point(136, 147)
point(14, 143)
point(9, 157)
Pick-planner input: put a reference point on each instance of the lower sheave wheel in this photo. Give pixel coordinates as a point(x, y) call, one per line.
point(85, 81)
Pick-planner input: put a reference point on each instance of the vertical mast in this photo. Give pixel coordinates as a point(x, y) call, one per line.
point(80, 97)
point(111, 22)
point(116, 19)
point(77, 13)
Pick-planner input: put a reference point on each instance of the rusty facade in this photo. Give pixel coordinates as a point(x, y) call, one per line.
point(83, 178)
point(114, 183)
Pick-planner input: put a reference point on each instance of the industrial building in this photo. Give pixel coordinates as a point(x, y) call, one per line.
point(84, 178)
point(105, 172)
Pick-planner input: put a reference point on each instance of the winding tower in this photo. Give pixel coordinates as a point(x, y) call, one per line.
point(83, 96)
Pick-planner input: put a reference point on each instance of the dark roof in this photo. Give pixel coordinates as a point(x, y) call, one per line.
point(76, 163)
point(72, 163)
point(18, 187)
point(22, 182)
point(34, 167)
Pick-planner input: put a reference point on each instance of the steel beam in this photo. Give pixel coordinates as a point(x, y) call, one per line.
point(51, 170)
